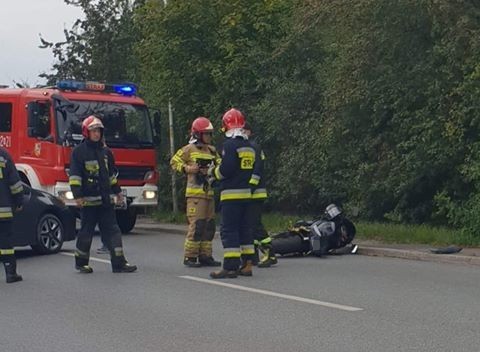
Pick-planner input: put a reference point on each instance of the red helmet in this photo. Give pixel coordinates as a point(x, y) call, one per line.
point(201, 124)
point(89, 124)
point(233, 118)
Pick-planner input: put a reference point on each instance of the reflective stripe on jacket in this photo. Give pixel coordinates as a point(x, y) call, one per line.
point(11, 188)
point(236, 169)
point(257, 181)
point(190, 154)
point(92, 173)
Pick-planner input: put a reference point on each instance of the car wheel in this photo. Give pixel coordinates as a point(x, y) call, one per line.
point(49, 238)
point(126, 219)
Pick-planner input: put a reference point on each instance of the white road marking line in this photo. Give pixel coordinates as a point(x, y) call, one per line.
point(91, 258)
point(274, 294)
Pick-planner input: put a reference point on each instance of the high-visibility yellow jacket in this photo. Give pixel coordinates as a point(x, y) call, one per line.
point(190, 154)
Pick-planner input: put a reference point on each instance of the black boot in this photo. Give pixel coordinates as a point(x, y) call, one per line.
point(269, 258)
point(84, 269)
point(81, 262)
point(10, 264)
point(120, 265)
point(191, 262)
point(267, 262)
point(125, 268)
point(208, 261)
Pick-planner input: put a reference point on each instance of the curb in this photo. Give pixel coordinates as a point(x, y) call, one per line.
point(362, 250)
point(156, 228)
point(417, 255)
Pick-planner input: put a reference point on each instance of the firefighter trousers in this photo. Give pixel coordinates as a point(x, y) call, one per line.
point(259, 232)
point(201, 227)
point(106, 219)
point(237, 233)
point(261, 239)
point(6, 249)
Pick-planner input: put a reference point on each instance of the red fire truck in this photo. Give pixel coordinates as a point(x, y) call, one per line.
point(40, 126)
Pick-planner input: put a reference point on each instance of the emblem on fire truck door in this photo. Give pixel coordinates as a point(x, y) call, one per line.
point(37, 150)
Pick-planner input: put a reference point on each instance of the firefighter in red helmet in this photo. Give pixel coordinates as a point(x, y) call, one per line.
point(94, 184)
point(194, 160)
point(234, 174)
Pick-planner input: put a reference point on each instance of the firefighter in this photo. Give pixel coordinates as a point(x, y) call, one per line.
point(11, 201)
point(94, 184)
point(261, 238)
point(234, 174)
point(194, 159)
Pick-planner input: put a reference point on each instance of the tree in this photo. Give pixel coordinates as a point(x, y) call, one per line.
point(99, 46)
point(371, 104)
point(206, 56)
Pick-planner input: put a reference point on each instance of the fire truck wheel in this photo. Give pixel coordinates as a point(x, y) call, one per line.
point(49, 237)
point(126, 219)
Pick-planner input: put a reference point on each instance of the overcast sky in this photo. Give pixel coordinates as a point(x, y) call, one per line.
point(21, 23)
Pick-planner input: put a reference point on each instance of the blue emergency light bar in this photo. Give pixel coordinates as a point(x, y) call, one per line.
point(123, 89)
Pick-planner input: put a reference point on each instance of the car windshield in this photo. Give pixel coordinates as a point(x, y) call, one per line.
point(126, 125)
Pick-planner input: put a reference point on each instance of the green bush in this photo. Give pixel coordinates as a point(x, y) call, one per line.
point(370, 104)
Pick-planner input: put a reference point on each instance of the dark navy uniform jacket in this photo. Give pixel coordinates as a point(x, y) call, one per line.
point(236, 169)
point(259, 190)
point(11, 188)
point(92, 173)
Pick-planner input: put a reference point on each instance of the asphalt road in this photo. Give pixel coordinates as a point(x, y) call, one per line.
point(349, 303)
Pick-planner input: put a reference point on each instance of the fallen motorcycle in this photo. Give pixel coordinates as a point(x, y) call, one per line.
point(331, 234)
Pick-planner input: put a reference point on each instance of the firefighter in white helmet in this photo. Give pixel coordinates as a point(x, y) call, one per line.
point(94, 185)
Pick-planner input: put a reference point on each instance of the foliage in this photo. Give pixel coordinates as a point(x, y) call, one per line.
point(372, 104)
point(99, 46)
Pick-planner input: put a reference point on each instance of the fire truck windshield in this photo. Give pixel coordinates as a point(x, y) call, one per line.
point(126, 125)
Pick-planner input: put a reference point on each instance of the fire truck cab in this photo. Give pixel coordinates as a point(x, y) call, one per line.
point(40, 126)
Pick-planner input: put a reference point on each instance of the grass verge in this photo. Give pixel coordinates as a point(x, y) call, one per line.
point(414, 234)
point(383, 232)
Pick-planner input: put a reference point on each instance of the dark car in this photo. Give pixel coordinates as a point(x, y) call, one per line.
point(45, 223)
